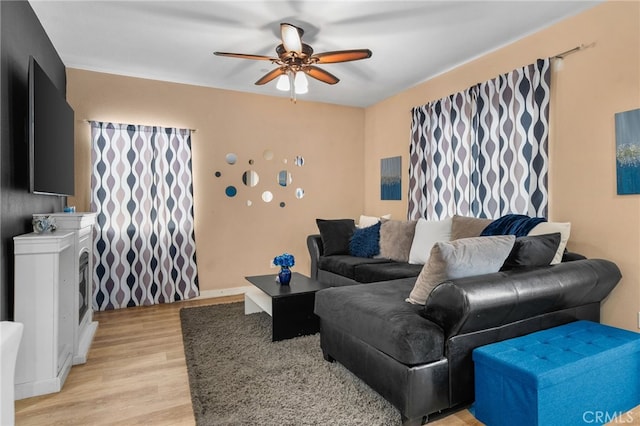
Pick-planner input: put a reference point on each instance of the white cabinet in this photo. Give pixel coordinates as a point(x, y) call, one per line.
point(44, 303)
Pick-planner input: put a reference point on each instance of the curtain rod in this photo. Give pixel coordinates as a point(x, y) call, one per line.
point(89, 122)
point(571, 51)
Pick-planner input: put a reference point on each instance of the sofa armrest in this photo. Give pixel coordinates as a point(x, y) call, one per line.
point(493, 300)
point(314, 244)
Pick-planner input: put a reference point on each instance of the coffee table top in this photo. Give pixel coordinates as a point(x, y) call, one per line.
point(299, 284)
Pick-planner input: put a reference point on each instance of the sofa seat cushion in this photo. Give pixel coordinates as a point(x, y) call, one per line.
point(378, 315)
point(374, 272)
point(346, 265)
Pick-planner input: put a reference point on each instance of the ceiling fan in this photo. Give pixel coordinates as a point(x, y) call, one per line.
point(296, 60)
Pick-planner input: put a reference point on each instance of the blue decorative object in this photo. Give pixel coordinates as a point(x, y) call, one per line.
point(231, 191)
point(512, 224)
point(284, 261)
point(365, 242)
point(565, 375)
point(284, 276)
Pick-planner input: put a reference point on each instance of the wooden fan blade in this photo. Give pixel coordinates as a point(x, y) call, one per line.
point(270, 76)
point(320, 74)
point(291, 37)
point(245, 56)
point(342, 56)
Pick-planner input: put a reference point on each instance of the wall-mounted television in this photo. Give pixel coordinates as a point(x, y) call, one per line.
point(51, 136)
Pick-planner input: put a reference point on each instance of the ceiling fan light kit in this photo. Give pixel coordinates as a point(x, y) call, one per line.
point(283, 83)
point(296, 60)
point(300, 83)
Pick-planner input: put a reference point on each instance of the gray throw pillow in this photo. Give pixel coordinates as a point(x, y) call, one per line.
point(467, 227)
point(458, 259)
point(396, 238)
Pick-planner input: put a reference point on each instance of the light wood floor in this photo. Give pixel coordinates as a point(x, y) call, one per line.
point(136, 375)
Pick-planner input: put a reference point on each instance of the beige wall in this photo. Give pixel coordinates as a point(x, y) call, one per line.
point(591, 87)
point(234, 240)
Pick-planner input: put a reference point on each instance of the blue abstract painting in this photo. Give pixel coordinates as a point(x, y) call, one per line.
point(628, 152)
point(391, 178)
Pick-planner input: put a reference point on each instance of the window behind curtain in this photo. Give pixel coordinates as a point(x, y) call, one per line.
point(142, 192)
point(483, 152)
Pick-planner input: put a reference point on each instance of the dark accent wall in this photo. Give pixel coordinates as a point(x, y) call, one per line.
point(21, 35)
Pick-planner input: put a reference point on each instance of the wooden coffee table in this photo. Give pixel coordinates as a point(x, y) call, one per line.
point(290, 306)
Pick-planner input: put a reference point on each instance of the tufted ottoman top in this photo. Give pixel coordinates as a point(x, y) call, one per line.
point(547, 357)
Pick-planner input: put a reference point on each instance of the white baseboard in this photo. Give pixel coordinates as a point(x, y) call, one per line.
point(207, 294)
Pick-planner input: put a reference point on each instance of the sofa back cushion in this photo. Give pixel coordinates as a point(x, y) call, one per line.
point(458, 259)
point(366, 221)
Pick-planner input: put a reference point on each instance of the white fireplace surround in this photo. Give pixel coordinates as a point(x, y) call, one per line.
point(81, 224)
point(48, 301)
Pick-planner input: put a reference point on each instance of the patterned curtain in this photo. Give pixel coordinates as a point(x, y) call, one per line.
point(483, 152)
point(141, 189)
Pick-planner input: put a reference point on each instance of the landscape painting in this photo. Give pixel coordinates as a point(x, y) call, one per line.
point(628, 152)
point(391, 178)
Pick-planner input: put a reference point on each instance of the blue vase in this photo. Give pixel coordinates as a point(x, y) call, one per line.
point(284, 276)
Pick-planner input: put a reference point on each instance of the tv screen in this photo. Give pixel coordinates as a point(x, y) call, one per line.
point(51, 138)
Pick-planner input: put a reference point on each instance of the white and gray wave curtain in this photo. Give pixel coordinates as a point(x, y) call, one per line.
point(141, 190)
point(483, 152)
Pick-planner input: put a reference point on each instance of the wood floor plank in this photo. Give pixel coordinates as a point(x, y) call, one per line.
point(136, 375)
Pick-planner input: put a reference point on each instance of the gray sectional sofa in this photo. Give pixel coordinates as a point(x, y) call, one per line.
point(419, 357)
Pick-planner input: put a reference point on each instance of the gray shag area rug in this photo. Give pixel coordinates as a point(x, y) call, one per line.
point(238, 376)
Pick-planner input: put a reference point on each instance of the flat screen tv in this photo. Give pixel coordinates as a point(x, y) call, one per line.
point(51, 136)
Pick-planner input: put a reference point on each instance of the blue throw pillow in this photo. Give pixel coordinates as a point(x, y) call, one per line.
point(365, 242)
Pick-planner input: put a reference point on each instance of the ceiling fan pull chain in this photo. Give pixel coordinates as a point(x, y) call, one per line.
point(292, 85)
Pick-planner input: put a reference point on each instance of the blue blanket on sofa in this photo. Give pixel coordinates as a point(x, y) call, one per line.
point(512, 224)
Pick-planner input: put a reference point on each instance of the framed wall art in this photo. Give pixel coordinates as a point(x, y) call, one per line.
point(391, 178)
point(628, 152)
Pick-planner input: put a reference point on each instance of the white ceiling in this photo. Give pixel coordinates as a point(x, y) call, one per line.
point(411, 41)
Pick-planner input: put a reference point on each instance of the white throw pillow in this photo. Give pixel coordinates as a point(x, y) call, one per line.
point(428, 232)
point(461, 258)
point(550, 228)
point(366, 221)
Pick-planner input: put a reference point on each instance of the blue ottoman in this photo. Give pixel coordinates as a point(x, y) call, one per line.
point(575, 374)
